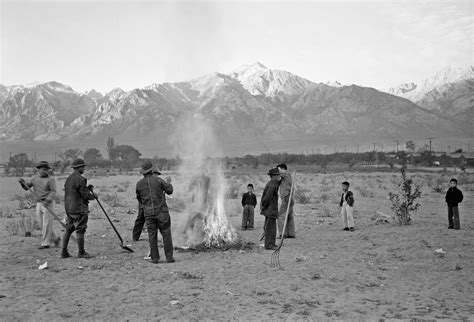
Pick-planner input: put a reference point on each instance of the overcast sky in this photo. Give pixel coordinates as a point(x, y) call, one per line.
point(129, 44)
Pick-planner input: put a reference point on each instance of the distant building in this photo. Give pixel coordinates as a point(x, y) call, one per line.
point(463, 158)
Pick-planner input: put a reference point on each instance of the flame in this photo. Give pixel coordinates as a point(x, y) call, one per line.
point(217, 230)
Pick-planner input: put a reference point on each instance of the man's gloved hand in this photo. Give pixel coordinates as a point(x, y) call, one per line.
point(90, 187)
point(23, 184)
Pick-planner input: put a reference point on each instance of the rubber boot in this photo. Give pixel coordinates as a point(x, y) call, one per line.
point(64, 252)
point(80, 245)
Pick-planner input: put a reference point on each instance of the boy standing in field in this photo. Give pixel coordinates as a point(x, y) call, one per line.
point(44, 187)
point(346, 203)
point(249, 201)
point(453, 198)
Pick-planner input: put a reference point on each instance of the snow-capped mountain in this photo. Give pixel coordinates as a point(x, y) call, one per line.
point(449, 92)
point(251, 104)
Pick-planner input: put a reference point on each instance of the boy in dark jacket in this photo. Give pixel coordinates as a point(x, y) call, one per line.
point(269, 208)
point(249, 201)
point(346, 203)
point(453, 198)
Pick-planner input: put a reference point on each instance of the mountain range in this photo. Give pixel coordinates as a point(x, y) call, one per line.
point(252, 109)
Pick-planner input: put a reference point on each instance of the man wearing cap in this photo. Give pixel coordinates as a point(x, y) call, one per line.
point(269, 208)
point(140, 221)
point(44, 190)
point(285, 189)
point(76, 201)
point(150, 192)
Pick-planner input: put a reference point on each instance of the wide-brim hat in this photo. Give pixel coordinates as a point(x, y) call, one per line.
point(273, 172)
point(77, 163)
point(147, 167)
point(43, 164)
point(155, 171)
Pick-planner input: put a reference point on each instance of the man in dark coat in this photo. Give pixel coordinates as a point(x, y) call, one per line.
point(140, 220)
point(269, 208)
point(76, 201)
point(249, 201)
point(150, 192)
point(453, 197)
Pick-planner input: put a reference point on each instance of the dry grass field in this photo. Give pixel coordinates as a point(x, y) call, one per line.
point(381, 270)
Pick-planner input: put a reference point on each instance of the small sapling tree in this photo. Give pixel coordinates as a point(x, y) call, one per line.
point(404, 202)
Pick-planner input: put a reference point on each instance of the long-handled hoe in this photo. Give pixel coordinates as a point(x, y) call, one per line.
point(115, 229)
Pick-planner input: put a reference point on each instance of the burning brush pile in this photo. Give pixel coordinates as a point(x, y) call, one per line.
point(206, 226)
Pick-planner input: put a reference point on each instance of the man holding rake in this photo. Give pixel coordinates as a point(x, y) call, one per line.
point(44, 187)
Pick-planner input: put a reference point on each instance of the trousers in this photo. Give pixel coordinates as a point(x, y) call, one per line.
point(139, 223)
point(270, 232)
point(453, 217)
point(290, 224)
point(347, 216)
point(45, 219)
point(161, 222)
point(248, 217)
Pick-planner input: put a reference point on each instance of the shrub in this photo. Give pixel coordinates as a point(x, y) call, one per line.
point(404, 203)
point(113, 200)
point(12, 228)
point(301, 196)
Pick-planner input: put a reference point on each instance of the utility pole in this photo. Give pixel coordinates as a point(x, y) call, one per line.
point(374, 146)
point(430, 151)
point(397, 144)
point(430, 144)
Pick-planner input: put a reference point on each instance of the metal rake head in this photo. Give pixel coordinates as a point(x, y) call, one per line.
point(275, 263)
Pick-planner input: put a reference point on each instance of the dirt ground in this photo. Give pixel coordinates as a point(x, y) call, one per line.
point(381, 270)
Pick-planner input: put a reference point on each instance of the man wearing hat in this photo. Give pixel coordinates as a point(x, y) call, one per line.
point(269, 208)
point(76, 201)
point(44, 190)
point(150, 192)
point(140, 221)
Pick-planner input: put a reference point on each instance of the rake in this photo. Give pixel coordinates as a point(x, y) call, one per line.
point(275, 261)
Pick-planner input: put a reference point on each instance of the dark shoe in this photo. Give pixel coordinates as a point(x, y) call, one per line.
point(57, 241)
point(65, 255)
point(85, 255)
point(272, 248)
point(450, 227)
point(351, 229)
point(346, 229)
point(243, 228)
point(43, 247)
point(171, 260)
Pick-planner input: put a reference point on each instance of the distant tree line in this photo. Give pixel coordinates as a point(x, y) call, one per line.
point(126, 157)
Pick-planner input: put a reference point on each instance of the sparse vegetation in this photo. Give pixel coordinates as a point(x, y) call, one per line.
point(404, 202)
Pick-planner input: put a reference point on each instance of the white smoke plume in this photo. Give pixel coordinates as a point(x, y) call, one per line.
point(204, 221)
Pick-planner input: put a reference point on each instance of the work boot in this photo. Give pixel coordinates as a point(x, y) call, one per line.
point(64, 252)
point(80, 245)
